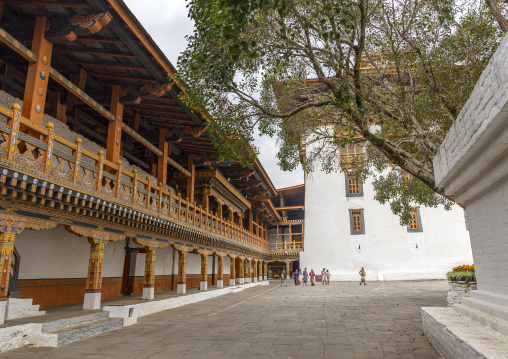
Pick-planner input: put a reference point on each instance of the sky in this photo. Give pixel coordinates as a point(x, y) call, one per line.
point(167, 23)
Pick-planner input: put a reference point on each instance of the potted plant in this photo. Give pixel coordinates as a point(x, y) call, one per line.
point(461, 280)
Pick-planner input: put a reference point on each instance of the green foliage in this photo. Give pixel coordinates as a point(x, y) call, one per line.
point(390, 74)
point(463, 276)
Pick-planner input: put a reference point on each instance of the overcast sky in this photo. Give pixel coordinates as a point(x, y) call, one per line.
point(167, 22)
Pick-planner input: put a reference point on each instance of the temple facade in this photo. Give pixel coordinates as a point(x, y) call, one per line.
point(109, 183)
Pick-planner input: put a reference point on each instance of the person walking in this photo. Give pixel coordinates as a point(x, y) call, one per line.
point(362, 276)
point(283, 278)
point(323, 277)
point(328, 275)
point(312, 277)
point(297, 277)
point(305, 276)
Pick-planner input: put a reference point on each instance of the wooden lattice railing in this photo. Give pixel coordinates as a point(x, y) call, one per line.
point(281, 247)
point(40, 150)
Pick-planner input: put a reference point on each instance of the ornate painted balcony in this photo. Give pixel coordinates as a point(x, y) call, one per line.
point(285, 249)
point(44, 176)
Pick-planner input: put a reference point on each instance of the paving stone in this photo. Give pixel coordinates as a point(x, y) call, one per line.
point(381, 320)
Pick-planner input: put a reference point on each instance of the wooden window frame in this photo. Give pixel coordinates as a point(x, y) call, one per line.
point(354, 214)
point(417, 218)
point(348, 187)
point(347, 154)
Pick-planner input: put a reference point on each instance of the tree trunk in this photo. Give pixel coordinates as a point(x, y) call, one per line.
point(496, 13)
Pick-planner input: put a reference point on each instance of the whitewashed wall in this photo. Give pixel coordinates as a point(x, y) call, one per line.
point(386, 250)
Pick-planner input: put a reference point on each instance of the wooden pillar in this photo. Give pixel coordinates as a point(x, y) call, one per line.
point(232, 274)
point(93, 286)
point(115, 127)
point(251, 229)
point(206, 198)
point(287, 270)
point(36, 86)
point(220, 271)
point(10, 226)
point(219, 210)
point(241, 272)
point(266, 231)
point(149, 283)
point(231, 215)
point(162, 164)
point(181, 284)
point(256, 219)
point(190, 180)
point(255, 279)
point(203, 284)
point(59, 110)
point(248, 274)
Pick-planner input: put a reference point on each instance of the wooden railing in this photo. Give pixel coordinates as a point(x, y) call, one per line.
point(281, 247)
point(41, 150)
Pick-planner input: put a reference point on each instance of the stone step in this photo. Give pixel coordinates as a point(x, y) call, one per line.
point(21, 308)
point(73, 321)
point(495, 323)
point(87, 329)
point(496, 310)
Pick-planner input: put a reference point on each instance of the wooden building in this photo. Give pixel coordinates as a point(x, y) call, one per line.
point(102, 157)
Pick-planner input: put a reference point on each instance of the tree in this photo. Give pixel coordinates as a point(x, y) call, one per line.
point(392, 74)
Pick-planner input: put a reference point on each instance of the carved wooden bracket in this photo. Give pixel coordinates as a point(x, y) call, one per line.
point(96, 234)
point(78, 25)
point(152, 244)
point(39, 224)
point(177, 134)
point(182, 248)
point(11, 223)
point(204, 252)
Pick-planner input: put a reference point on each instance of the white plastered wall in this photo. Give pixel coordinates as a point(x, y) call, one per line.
point(386, 250)
point(56, 253)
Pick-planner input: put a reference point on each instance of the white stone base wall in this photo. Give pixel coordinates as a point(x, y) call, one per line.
point(459, 290)
point(181, 288)
point(220, 283)
point(240, 280)
point(232, 282)
point(21, 308)
point(247, 280)
point(148, 293)
point(3, 307)
point(92, 301)
point(255, 279)
point(203, 285)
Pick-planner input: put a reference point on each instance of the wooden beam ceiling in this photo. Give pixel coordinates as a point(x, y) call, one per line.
point(111, 65)
point(74, 4)
point(98, 52)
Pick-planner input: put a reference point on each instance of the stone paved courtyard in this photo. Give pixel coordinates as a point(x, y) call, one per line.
point(343, 320)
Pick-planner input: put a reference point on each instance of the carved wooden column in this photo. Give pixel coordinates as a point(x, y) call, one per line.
point(190, 180)
point(36, 85)
point(149, 278)
point(248, 274)
point(97, 239)
point(115, 127)
point(232, 270)
point(241, 271)
point(256, 219)
point(162, 164)
point(265, 265)
point(220, 270)
point(260, 273)
point(287, 269)
point(93, 286)
point(203, 284)
point(251, 228)
point(206, 198)
point(181, 284)
point(10, 226)
point(255, 279)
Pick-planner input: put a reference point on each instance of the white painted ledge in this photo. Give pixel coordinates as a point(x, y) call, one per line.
point(458, 336)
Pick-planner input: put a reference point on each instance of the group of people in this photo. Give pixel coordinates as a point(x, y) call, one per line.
point(325, 277)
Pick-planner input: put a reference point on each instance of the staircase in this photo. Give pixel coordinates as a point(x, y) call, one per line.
point(76, 328)
point(21, 308)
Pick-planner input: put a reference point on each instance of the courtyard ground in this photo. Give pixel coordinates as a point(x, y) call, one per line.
point(343, 320)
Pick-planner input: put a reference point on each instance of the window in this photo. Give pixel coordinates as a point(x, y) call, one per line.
point(351, 153)
point(354, 188)
point(356, 221)
point(415, 222)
